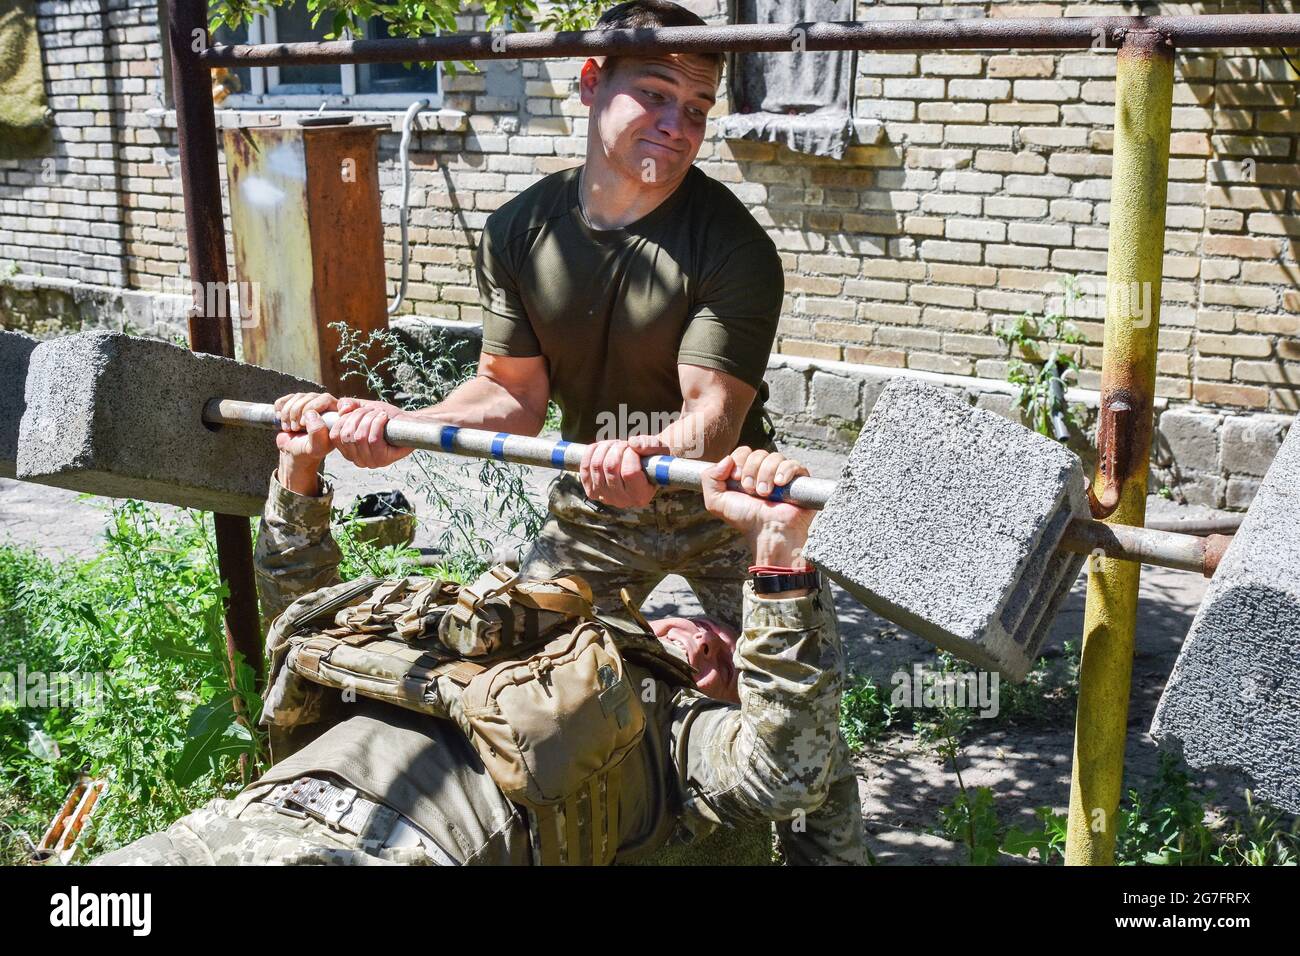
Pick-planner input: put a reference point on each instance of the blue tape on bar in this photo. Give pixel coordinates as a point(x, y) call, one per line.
point(499, 444)
point(778, 493)
point(447, 437)
point(661, 469)
point(557, 454)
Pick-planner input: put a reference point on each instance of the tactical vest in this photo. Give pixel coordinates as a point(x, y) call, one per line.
point(532, 677)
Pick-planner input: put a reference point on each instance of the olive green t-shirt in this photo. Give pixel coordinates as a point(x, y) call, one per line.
point(614, 311)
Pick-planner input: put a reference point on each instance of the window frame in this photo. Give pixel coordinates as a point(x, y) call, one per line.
point(265, 79)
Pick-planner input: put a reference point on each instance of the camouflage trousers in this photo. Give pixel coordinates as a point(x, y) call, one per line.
point(244, 832)
point(220, 833)
point(636, 548)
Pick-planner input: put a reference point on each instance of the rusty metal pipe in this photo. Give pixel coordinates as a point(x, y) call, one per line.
point(1041, 33)
point(1166, 549)
point(1224, 525)
point(196, 133)
point(1134, 265)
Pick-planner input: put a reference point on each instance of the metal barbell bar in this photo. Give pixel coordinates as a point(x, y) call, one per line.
point(1166, 549)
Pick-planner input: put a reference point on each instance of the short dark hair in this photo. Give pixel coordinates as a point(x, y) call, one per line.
point(637, 14)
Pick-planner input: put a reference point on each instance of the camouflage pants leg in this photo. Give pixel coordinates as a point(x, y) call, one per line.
point(238, 833)
point(636, 548)
point(833, 834)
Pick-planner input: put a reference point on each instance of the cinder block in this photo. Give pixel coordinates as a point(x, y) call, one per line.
point(1193, 440)
point(838, 396)
point(15, 353)
point(120, 416)
point(1233, 698)
point(1242, 491)
point(1205, 490)
point(947, 520)
point(1250, 443)
point(998, 403)
point(787, 390)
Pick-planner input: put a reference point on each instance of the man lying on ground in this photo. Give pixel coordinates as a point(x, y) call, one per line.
point(708, 728)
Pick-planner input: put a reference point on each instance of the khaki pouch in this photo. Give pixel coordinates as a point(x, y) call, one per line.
point(552, 730)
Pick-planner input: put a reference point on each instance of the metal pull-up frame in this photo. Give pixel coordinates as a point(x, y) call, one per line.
point(1143, 103)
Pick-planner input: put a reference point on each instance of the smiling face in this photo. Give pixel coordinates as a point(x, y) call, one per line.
point(710, 648)
point(649, 113)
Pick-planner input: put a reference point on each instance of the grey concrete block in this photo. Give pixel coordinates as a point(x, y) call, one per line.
point(947, 520)
point(787, 390)
point(120, 416)
point(1249, 444)
point(1233, 698)
point(999, 403)
point(1192, 440)
point(872, 385)
point(15, 353)
point(1205, 490)
point(1242, 491)
point(837, 396)
point(806, 433)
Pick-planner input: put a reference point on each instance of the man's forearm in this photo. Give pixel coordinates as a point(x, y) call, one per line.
point(484, 403)
point(714, 406)
point(703, 431)
point(296, 552)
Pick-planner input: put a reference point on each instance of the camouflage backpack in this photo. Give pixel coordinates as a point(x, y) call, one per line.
point(525, 669)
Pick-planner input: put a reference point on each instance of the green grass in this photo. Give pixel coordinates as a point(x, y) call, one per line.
point(145, 615)
point(865, 714)
point(1166, 822)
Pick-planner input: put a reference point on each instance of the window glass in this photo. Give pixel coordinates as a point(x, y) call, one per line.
point(293, 25)
point(394, 77)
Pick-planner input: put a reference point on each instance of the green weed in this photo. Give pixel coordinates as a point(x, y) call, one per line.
point(1042, 379)
point(865, 714)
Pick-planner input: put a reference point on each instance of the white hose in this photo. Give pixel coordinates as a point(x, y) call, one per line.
point(407, 123)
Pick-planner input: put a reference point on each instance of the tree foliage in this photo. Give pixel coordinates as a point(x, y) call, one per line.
point(416, 18)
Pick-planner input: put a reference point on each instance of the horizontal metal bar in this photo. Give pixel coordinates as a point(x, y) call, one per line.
point(1041, 33)
point(667, 471)
point(1223, 524)
point(1184, 552)
point(1166, 549)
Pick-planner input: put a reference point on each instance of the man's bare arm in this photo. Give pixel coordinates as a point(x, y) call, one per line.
point(508, 395)
point(714, 405)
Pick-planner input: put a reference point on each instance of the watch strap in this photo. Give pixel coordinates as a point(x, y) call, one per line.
point(771, 580)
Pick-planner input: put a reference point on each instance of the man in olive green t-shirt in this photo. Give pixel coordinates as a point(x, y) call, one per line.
point(642, 297)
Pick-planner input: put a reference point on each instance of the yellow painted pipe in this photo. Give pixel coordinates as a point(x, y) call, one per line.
point(1139, 181)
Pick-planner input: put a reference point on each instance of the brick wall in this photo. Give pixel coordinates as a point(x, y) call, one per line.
point(73, 214)
point(988, 188)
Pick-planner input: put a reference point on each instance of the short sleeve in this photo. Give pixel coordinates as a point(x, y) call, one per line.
point(506, 329)
point(737, 313)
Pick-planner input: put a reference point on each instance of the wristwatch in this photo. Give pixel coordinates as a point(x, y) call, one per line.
point(773, 580)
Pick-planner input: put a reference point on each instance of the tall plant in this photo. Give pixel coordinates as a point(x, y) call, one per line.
point(1042, 379)
point(477, 504)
